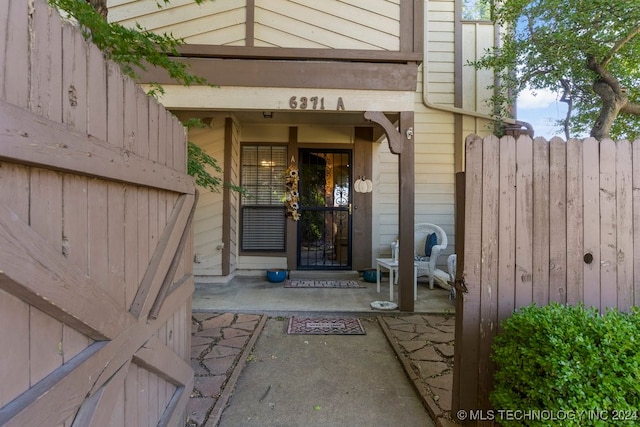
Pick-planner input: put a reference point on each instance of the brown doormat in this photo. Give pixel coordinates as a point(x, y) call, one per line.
point(344, 284)
point(325, 326)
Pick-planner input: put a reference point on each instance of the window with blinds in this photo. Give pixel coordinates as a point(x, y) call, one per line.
point(262, 207)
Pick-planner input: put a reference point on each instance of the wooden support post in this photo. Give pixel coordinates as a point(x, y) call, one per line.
point(401, 143)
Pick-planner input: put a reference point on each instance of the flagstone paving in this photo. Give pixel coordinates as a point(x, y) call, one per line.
point(222, 342)
point(219, 344)
point(424, 344)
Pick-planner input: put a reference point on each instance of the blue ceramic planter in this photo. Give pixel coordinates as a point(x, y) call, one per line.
point(276, 275)
point(370, 275)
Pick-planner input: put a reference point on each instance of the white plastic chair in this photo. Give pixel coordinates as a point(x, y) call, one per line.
point(427, 265)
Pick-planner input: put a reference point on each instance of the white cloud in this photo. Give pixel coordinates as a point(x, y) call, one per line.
point(529, 99)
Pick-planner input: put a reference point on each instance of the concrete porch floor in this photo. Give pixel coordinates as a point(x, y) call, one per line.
point(227, 324)
point(251, 295)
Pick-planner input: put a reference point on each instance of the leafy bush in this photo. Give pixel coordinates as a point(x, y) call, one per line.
point(568, 360)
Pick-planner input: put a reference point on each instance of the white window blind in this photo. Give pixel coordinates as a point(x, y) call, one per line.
point(263, 211)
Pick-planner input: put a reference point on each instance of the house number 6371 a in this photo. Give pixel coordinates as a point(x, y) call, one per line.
point(312, 103)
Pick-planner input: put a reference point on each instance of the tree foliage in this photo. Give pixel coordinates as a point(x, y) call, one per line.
point(134, 49)
point(586, 50)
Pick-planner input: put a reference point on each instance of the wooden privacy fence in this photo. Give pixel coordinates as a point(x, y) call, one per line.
point(95, 236)
point(543, 221)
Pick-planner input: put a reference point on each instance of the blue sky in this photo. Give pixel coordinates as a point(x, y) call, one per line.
point(541, 108)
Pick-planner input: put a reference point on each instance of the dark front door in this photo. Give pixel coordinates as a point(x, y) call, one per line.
point(324, 228)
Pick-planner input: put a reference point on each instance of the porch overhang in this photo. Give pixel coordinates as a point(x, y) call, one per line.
point(285, 99)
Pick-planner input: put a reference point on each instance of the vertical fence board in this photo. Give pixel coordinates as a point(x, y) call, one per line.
point(152, 396)
point(154, 227)
point(14, 369)
point(98, 221)
point(143, 253)
point(540, 237)
point(14, 189)
point(608, 224)
point(131, 397)
point(591, 224)
point(75, 230)
point(468, 367)
point(131, 118)
point(575, 220)
point(624, 224)
point(75, 220)
point(131, 267)
point(635, 148)
point(489, 272)
point(97, 94)
point(46, 334)
point(179, 153)
point(115, 105)
point(507, 232)
point(16, 48)
point(45, 205)
point(46, 64)
point(153, 129)
point(73, 342)
point(557, 220)
point(162, 135)
point(45, 345)
point(142, 124)
point(143, 397)
point(170, 159)
point(74, 79)
point(116, 239)
point(4, 23)
point(524, 221)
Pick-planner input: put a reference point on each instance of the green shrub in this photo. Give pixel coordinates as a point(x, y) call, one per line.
point(571, 361)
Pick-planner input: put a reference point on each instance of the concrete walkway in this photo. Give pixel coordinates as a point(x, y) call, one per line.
point(245, 367)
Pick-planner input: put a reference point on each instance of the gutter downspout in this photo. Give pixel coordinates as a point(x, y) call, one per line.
point(447, 108)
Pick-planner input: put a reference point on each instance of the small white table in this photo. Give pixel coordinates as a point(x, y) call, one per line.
point(392, 266)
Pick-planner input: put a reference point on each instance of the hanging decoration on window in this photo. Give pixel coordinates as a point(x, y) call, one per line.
point(293, 197)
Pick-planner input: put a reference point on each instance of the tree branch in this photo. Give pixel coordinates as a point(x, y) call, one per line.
point(630, 108)
point(605, 76)
point(566, 98)
point(619, 45)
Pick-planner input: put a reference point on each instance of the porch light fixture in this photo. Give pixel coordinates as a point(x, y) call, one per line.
point(409, 133)
point(267, 114)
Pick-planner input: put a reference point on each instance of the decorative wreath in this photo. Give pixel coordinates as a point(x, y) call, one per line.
point(292, 197)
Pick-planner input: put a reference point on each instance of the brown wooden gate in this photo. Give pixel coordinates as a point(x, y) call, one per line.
point(543, 221)
point(95, 236)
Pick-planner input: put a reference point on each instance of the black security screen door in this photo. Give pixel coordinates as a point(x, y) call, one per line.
point(324, 228)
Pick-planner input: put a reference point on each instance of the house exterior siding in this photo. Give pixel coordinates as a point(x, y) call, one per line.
point(368, 54)
point(333, 24)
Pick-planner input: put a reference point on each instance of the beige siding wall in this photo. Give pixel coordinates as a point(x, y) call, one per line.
point(439, 51)
point(437, 145)
point(476, 39)
point(219, 22)
point(352, 24)
point(208, 240)
point(384, 200)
